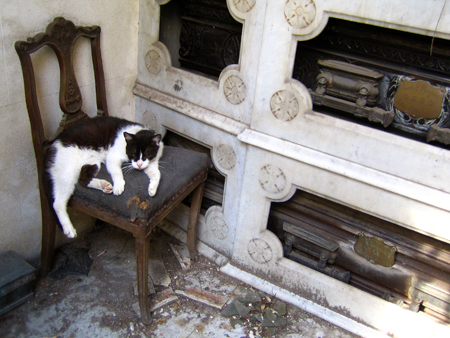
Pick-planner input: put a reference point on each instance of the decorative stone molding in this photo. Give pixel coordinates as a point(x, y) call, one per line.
point(216, 223)
point(234, 89)
point(225, 156)
point(284, 105)
point(300, 13)
point(149, 120)
point(259, 250)
point(154, 62)
point(244, 5)
point(240, 8)
point(219, 228)
point(272, 179)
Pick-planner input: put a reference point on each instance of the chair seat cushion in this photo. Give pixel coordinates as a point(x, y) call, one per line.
point(180, 168)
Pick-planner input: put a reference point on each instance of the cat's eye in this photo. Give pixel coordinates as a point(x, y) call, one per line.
point(133, 156)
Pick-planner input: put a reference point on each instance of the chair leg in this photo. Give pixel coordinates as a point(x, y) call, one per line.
point(49, 224)
point(142, 257)
point(193, 219)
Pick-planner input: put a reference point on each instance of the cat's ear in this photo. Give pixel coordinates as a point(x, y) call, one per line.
point(128, 137)
point(156, 139)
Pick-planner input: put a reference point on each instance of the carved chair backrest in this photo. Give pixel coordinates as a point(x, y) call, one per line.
point(60, 35)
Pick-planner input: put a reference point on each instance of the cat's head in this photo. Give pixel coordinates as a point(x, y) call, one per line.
point(142, 148)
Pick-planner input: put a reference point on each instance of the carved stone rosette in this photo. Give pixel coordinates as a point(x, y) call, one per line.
point(300, 13)
point(218, 227)
point(226, 157)
point(244, 5)
point(234, 89)
point(284, 105)
point(259, 250)
point(154, 62)
point(216, 223)
point(272, 179)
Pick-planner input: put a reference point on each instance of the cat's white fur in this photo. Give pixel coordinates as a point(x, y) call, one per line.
point(66, 170)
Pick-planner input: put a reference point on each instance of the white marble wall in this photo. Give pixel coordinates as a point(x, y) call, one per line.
point(267, 141)
point(20, 222)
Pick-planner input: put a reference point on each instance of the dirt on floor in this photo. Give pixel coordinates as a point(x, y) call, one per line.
point(197, 302)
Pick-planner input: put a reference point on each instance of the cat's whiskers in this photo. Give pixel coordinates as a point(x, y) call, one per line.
point(127, 167)
point(161, 162)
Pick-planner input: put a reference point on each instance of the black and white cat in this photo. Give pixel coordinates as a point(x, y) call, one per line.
point(77, 153)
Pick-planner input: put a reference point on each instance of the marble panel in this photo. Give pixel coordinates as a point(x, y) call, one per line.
point(266, 139)
point(427, 18)
point(227, 155)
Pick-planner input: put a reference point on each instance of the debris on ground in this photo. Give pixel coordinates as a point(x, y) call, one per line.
point(163, 298)
point(196, 302)
point(157, 270)
point(71, 259)
point(181, 253)
point(204, 297)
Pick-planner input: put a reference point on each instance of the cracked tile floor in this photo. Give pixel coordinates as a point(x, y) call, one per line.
point(196, 302)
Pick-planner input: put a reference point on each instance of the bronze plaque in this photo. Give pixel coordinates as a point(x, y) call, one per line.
point(419, 99)
point(375, 250)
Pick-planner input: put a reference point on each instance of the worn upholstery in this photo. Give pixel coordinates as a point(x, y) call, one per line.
point(179, 167)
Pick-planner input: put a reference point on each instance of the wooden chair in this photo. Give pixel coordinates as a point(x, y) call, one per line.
point(183, 171)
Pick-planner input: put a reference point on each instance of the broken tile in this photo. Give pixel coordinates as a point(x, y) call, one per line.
point(163, 298)
point(262, 294)
point(241, 308)
point(280, 308)
point(257, 317)
point(181, 253)
point(229, 310)
point(236, 321)
point(270, 331)
point(245, 295)
point(136, 308)
point(270, 319)
point(204, 297)
point(157, 270)
point(235, 308)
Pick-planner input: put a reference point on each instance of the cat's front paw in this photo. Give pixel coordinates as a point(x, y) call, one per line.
point(152, 187)
point(107, 187)
point(119, 187)
point(70, 233)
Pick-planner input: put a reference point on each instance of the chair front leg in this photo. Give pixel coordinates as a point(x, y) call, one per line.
point(142, 257)
point(49, 224)
point(193, 219)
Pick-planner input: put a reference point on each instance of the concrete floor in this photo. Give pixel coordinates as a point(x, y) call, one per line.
point(196, 302)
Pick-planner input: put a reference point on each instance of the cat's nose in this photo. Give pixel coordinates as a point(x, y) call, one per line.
point(139, 163)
